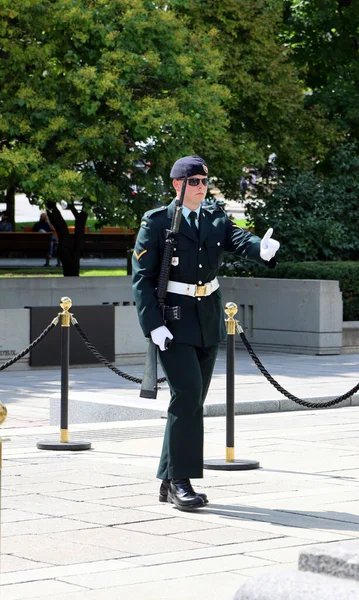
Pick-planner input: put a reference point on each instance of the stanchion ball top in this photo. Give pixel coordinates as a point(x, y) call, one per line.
point(231, 309)
point(3, 413)
point(66, 303)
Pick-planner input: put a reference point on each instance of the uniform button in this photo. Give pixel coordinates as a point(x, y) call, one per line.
point(199, 299)
point(200, 282)
point(218, 243)
point(200, 266)
point(199, 249)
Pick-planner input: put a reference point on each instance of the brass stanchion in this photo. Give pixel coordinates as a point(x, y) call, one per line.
point(230, 464)
point(64, 443)
point(3, 415)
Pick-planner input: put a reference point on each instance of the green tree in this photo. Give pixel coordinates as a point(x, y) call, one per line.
point(97, 99)
point(266, 104)
point(315, 209)
point(324, 37)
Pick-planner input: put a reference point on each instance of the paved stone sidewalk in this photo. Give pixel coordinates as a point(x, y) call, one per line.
point(88, 525)
point(27, 393)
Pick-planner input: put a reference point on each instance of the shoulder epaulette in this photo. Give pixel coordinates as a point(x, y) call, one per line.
point(154, 211)
point(215, 207)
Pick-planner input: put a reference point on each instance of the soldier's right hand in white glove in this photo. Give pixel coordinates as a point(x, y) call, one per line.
point(160, 335)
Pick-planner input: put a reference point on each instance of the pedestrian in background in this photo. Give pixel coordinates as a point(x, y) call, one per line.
point(4, 223)
point(45, 226)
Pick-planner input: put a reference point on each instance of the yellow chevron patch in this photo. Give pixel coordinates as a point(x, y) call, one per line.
point(138, 256)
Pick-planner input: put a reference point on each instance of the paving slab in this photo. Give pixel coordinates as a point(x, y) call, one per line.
point(166, 572)
point(91, 521)
point(33, 590)
point(10, 563)
point(199, 586)
point(51, 549)
point(43, 526)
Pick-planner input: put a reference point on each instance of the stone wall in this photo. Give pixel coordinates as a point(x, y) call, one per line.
point(130, 344)
point(40, 291)
point(277, 315)
point(288, 315)
point(350, 343)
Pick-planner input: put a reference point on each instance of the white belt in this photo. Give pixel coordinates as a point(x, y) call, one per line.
point(191, 289)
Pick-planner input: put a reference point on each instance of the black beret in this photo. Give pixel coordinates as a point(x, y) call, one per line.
point(188, 166)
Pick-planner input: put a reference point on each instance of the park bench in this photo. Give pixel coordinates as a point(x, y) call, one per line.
point(101, 244)
point(15, 244)
point(110, 242)
point(107, 244)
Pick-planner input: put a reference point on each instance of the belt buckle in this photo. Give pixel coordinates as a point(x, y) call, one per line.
point(200, 290)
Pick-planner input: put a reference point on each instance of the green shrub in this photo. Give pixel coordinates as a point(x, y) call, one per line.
point(314, 213)
point(346, 272)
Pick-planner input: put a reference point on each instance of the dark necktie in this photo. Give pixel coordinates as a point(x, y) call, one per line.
point(193, 218)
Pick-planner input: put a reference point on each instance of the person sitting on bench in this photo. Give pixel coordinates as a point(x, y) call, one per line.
point(44, 225)
point(4, 223)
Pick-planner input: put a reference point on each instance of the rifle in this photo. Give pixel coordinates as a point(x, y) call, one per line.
point(170, 313)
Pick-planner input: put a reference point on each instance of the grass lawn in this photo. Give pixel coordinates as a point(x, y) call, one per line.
point(57, 272)
point(89, 223)
point(241, 222)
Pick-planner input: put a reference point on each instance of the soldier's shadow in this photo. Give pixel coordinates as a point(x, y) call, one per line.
point(289, 518)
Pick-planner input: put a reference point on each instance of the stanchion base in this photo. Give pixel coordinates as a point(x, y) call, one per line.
point(72, 446)
point(236, 465)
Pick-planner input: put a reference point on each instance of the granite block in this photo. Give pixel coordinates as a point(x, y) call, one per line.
point(296, 585)
point(339, 559)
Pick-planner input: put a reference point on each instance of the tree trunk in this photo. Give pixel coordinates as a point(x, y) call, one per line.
point(69, 247)
point(10, 205)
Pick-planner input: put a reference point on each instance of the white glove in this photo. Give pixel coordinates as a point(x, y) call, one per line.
point(268, 246)
point(159, 336)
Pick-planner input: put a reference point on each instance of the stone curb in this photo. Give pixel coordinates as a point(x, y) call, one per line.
point(107, 410)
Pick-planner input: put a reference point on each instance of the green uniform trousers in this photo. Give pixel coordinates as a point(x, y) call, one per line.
point(188, 370)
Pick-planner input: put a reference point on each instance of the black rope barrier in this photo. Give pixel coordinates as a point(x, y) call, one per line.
point(31, 346)
point(104, 360)
point(133, 379)
point(283, 391)
point(252, 354)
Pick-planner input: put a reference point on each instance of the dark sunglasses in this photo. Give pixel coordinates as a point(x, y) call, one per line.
point(196, 181)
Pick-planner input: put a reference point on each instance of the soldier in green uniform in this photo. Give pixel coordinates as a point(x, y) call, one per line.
point(205, 234)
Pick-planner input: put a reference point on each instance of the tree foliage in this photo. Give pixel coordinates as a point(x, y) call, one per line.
point(324, 37)
point(92, 94)
point(266, 105)
point(314, 208)
point(314, 215)
point(99, 97)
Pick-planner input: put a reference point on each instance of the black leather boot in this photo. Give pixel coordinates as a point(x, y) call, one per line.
point(183, 496)
point(163, 495)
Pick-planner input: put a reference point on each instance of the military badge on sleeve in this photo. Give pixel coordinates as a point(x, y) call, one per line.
point(139, 254)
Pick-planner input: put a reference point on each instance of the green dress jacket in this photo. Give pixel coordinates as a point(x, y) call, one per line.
point(196, 260)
